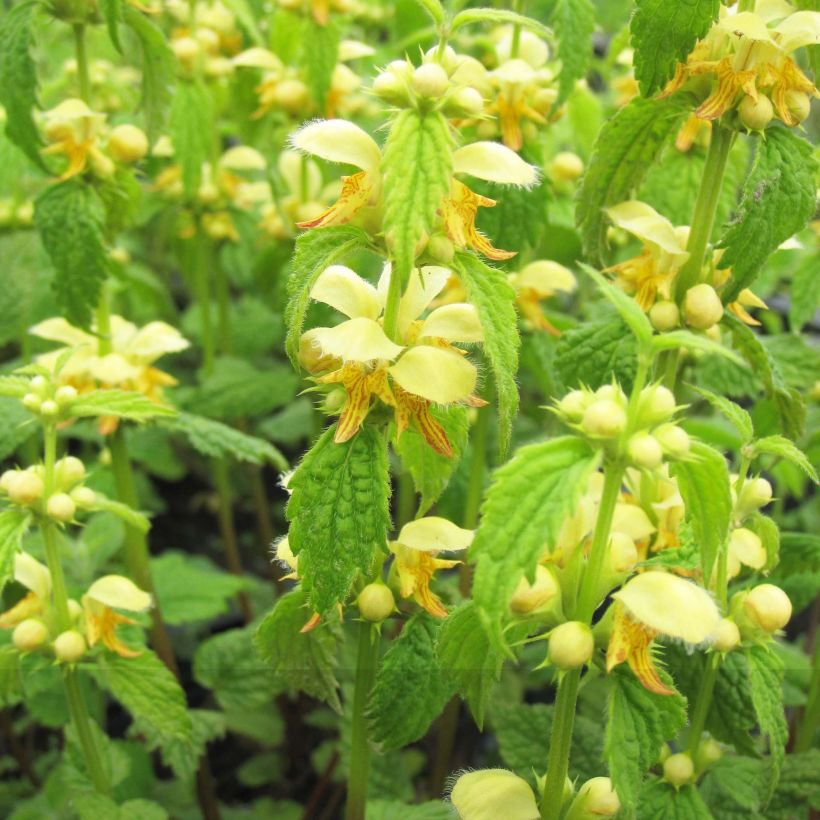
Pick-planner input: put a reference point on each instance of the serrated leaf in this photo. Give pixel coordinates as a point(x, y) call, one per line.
point(595, 352)
point(499, 16)
point(431, 471)
point(783, 448)
point(319, 57)
point(466, 657)
point(192, 128)
point(417, 168)
point(574, 23)
point(14, 524)
point(183, 755)
point(519, 218)
point(18, 78)
point(339, 513)
point(70, 218)
point(662, 801)
point(626, 306)
point(303, 662)
point(488, 289)
point(158, 69)
point(779, 198)
point(626, 147)
point(410, 689)
point(765, 685)
point(704, 486)
point(217, 440)
point(523, 511)
point(315, 250)
point(663, 35)
point(639, 723)
point(123, 404)
point(740, 418)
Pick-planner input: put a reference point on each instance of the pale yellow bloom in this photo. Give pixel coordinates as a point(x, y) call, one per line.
point(73, 129)
point(490, 794)
point(536, 281)
point(104, 596)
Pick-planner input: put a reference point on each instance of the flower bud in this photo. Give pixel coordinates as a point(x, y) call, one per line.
point(84, 497)
point(69, 471)
point(466, 102)
point(29, 634)
point(566, 166)
point(60, 507)
point(31, 401)
point(727, 637)
point(755, 114)
point(186, 49)
point(645, 451)
point(674, 440)
point(768, 607)
point(65, 394)
point(596, 798)
point(664, 316)
point(75, 609)
point(678, 769)
point(708, 753)
point(531, 597)
point(573, 405)
point(292, 95)
point(25, 488)
point(127, 143)
point(69, 646)
point(49, 409)
point(604, 418)
point(39, 384)
point(376, 602)
point(623, 554)
point(702, 307)
point(571, 645)
point(657, 404)
point(390, 87)
point(611, 391)
point(755, 493)
point(488, 794)
point(799, 104)
point(430, 80)
point(441, 248)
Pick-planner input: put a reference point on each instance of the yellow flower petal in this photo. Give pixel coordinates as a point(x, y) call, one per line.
point(59, 330)
point(119, 592)
point(454, 323)
point(291, 165)
point(155, 340)
point(644, 222)
point(434, 534)
point(631, 520)
point(799, 29)
point(346, 291)
point(357, 340)
point(435, 374)
point(339, 141)
point(545, 277)
point(32, 575)
point(490, 794)
point(257, 58)
point(242, 158)
point(494, 163)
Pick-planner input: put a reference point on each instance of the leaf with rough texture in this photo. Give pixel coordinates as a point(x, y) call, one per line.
point(639, 723)
point(740, 418)
point(14, 524)
point(70, 218)
point(779, 198)
point(391, 809)
point(783, 448)
point(626, 147)
point(522, 514)
point(518, 219)
point(18, 78)
point(595, 352)
point(339, 513)
point(417, 169)
point(315, 250)
point(488, 289)
point(123, 404)
point(573, 22)
point(804, 293)
point(431, 471)
point(704, 487)
point(663, 35)
point(410, 689)
point(660, 800)
point(192, 128)
point(159, 68)
point(303, 662)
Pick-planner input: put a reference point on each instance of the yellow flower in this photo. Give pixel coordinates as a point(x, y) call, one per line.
point(536, 281)
point(658, 603)
point(488, 794)
point(423, 368)
point(664, 252)
point(416, 550)
point(745, 549)
point(104, 596)
point(36, 578)
point(72, 129)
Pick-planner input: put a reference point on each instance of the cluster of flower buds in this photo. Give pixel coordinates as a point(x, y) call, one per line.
point(745, 545)
point(208, 45)
point(601, 415)
point(47, 400)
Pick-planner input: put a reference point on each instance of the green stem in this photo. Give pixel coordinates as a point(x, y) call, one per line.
point(516, 32)
point(223, 309)
point(202, 286)
point(702, 702)
point(82, 725)
point(366, 662)
point(104, 344)
point(391, 308)
point(811, 713)
point(82, 62)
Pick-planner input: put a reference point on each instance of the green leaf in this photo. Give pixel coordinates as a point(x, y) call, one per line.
point(410, 689)
point(804, 293)
point(574, 23)
point(228, 665)
point(431, 471)
point(783, 448)
point(92, 806)
point(192, 588)
point(192, 127)
point(434, 9)
point(14, 524)
point(499, 16)
point(676, 339)
point(765, 684)
point(246, 17)
point(319, 57)
point(112, 12)
point(663, 35)
point(158, 69)
point(595, 352)
point(524, 509)
point(662, 801)
point(315, 250)
point(183, 756)
point(740, 419)
point(778, 200)
point(626, 147)
point(391, 809)
point(16, 426)
point(639, 723)
point(124, 404)
point(217, 440)
point(18, 78)
point(70, 218)
point(303, 662)
point(139, 521)
point(150, 692)
point(488, 289)
point(466, 657)
point(417, 169)
point(634, 317)
point(519, 218)
point(704, 486)
point(14, 386)
point(339, 513)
